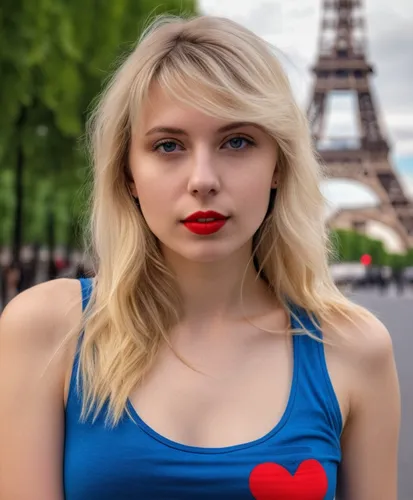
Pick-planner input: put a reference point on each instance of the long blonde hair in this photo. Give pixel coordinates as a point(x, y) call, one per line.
point(224, 70)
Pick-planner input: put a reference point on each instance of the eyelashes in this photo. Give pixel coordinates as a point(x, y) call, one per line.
point(170, 146)
point(240, 138)
point(165, 143)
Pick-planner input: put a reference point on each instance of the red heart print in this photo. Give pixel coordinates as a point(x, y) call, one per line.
point(271, 481)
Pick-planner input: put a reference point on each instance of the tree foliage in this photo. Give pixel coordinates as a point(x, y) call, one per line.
point(349, 246)
point(54, 57)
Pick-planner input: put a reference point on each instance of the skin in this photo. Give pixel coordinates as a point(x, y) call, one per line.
point(207, 169)
point(227, 404)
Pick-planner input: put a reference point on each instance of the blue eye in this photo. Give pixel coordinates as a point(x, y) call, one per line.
point(239, 143)
point(167, 147)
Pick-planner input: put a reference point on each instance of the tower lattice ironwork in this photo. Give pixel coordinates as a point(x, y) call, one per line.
point(342, 66)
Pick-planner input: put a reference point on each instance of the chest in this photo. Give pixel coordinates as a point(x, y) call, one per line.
point(230, 427)
point(129, 463)
point(230, 393)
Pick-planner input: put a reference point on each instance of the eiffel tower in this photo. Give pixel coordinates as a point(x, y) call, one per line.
point(342, 66)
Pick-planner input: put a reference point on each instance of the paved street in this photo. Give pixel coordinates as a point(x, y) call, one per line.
point(397, 314)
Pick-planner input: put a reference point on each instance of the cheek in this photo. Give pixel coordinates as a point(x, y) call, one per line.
point(150, 187)
point(255, 197)
point(154, 181)
point(155, 199)
point(153, 205)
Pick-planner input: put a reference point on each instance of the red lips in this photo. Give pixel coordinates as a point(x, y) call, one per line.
point(209, 214)
point(205, 223)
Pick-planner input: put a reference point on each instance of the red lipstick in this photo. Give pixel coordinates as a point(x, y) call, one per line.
point(205, 223)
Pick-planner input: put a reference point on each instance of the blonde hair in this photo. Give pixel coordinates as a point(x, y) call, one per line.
point(224, 70)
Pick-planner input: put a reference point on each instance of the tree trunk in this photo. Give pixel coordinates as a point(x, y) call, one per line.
point(51, 243)
point(19, 189)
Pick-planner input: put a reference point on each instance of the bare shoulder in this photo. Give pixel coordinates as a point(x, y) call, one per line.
point(361, 338)
point(363, 370)
point(39, 316)
point(36, 323)
point(359, 353)
point(33, 371)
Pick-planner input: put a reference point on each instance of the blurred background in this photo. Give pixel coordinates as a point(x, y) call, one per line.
point(350, 63)
point(56, 55)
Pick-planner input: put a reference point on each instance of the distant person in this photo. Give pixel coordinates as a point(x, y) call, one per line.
point(216, 358)
point(11, 281)
point(384, 282)
point(398, 278)
point(28, 275)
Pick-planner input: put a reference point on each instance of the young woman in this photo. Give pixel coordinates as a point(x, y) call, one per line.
point(214, 357)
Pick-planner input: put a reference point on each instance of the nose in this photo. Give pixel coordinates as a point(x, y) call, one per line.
point(203, 178)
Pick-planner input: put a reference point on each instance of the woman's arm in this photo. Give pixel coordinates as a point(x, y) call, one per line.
point(370, 438)
point(31, 399)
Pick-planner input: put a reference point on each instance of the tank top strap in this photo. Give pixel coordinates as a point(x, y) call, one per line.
point(86, 285)
point(87, 288)
point(315, 388)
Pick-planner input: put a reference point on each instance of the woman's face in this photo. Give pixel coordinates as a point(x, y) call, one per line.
point(183, 161)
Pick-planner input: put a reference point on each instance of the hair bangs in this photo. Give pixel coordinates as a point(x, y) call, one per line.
point(196, 76)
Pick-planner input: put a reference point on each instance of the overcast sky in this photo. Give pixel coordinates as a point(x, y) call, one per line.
point(292, 26)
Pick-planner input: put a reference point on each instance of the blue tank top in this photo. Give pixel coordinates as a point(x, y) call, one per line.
point(296, 460)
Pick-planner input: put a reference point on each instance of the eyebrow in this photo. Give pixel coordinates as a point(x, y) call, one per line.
point(180, 131)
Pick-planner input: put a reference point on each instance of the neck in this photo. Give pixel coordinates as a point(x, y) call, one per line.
point(211, 291)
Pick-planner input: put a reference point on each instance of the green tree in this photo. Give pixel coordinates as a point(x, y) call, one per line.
point(350, 246)
point(54, 57)
point(378, 253)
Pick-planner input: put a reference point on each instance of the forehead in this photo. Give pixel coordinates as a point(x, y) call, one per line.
point(163, 109)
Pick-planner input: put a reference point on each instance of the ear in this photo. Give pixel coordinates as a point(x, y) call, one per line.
point(275, 179)
point(132, 189)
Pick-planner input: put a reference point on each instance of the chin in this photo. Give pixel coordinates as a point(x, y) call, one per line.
point(205, 258)
point(206, 252)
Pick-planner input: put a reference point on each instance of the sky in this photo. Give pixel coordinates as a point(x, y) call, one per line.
point(292, 26)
